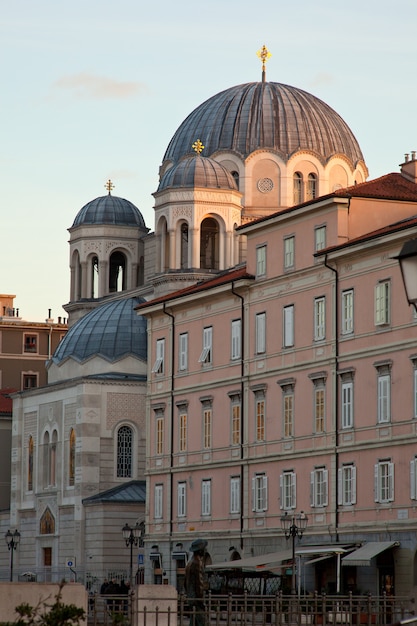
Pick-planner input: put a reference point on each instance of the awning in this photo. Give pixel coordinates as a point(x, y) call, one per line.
point(364, 554)
point(328, 548)
point(266, 562)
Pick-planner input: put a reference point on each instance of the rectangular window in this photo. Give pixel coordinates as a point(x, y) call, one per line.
point(183, 432)
point(413, 479)
point(288, 400)
point(415, 392)
point(319, 238)
point(236, 330)
point(382, 303)
point(30, 343)
point(159, 435)
point(289, 250)
point(182, 499)
point(260, 493)
point(207, 428)
point(235, 494)
point(347, 312)
point(347, 485)
point(30, 381)
point(236, 422)
point(260, 333)
point(206, 353)
point(158, 367)
point(319, 319)
point(347, 404)
point(158, 505)
point(261, 260)
point(288, 330)
point(260, 419)
point(384, 399)
point(206, 497)
point(384, 481)
point(288, 490)
point(183, 352)
point(319, 409)
point(318, 487)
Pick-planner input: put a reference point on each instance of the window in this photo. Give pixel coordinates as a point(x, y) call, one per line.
point(311, 187)
point(30, 381)
point(260, 493)
point(260, 416)
point(319, 409)
point(30, 463)
point(319, 238)
point(30, 343)
point(384, 398)
point(235, 494)
point(71, 458)
point(207, 415)
point(297, 188)
point(318, 485)
point(261, 260)
point(287, 482)
point(382, 303)
point(124, 452)
point(235, 406)
point(158, 367)
point(183, 352)
point(158, 501)
point(260, 333)
point(206, 497)
point(415, 390)
point(289, 249)
point(182, 499)
point(183, 432)
point(288, 411)
point(206, 354)
point(384, 481)
point(319, 319)
point(159, 435)
point(347, 404)
point(347, 485)
point(236, 330)
point(347, 311)
point(288, 322)
point(413, 481)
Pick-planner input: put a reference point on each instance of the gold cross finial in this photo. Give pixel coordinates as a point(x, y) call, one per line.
point(198, 146)
point(264, 55)
point(109, 186)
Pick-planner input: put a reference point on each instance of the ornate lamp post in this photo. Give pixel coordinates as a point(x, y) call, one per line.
point(294, 526)
point(408, 264)
point(12, 540)
point(132, 537)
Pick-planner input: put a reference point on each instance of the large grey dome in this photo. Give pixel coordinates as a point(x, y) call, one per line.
point(110, 210)
point(197, 171)
point(112, 331)
point(265, 115)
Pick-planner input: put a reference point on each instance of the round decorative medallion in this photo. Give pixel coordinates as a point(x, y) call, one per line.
point(265, 185)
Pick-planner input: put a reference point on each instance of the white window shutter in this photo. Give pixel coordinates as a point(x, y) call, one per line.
point(312, 490)
point(391, 481)
point(293, 490)
point(281, 491)
point(413, 479)
point(353, 484)
point(254, 493)
point(376, 482)
point(340, 486)
point(325, 487)
point(265, 492)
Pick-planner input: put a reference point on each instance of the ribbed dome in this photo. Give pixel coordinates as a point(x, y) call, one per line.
point(112, 331)
point(197, 171)
point(265, 115)
point(110, 210)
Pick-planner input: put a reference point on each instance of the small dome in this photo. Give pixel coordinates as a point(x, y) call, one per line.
point(262, 115)
point(110, 210)
point(112, 331)
point(197, 171)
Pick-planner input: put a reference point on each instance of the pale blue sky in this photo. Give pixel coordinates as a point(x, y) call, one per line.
point(93, 89)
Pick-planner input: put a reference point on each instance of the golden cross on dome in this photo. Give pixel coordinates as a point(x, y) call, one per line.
point(264, 55)
point(109, 186)
point(198, 146)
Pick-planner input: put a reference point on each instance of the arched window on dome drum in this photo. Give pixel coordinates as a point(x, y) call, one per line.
point(30, 464)
point(47, 523)
point(117, 272)
point(71, 459)
point(94, 277)
point(236, 177)
point(298, 187)
point(184, 246)
point(209, 244)
point(124, 452)
point(311, 187)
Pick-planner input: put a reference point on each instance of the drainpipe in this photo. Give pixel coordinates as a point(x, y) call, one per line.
point(242, 373)
point(336, 387)
point(171, 454)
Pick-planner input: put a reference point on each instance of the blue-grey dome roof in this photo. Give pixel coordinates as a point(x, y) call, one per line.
point(270, 115)
point(197, 171)
point(112, 331)
point(110, 210)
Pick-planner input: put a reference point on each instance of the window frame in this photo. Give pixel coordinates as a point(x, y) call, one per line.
point(347, 484)
point(183, 352)
point(320, 233)
point(236, 339)
point(206, 356)
point(382, 303)
point(124, 452)
point(319, 408)
point(288, 490)
point(346, 404)
point(260, 493)
point(234, 495)
point(159, 435)
point(235, 408)
point(260, 332)
point(347, 312)
point(182, 434)
point(288, 399)
point(206, 497)
point(207, 427)
point(181, 499)
point(289, 252)
point(384, 398)
point(261, 260)
point(260, 417)
point(320, 318)
point(319, 487)
point(384, 481)
point(158, 366)
point(158, 501)
point(288, 318)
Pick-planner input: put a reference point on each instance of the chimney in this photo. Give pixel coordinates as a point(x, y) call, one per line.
point(409, 167)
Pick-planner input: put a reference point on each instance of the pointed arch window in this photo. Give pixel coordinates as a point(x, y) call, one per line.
point(30, 464)
point(124, 452)
point(117, 272)
point(71, 460)
point(47, 523)
point(52, 458)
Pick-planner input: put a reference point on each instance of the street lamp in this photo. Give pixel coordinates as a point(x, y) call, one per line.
point(132, 537)
point(12, 540)
point(408, 264)
point(293, 526)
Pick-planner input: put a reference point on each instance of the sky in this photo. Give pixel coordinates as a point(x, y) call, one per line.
point(93, 90)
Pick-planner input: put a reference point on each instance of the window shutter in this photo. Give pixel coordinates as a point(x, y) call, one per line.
point(391, 481)
point(312, 490)
point(254, 493)
point(376, 482)
point(281, 491)
point(340, 486)
point(293, 490)
point(265, 492)
point(413, 479)
point(325, 487)
point(353, 484)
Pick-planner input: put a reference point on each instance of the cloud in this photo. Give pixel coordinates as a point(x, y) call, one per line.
point(322, 78)
point(88, 86)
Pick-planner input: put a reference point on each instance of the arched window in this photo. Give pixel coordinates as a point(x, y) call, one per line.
point(30, 464)
point(47, 523)
point(124, 452)
point(94, 277)
point(46, 463)
point(209, 244)
point(71, 460)
point(52, 458)
point(117, 272)
point(298, 187)
point(184, 246)
point(311, 187)
point(236, 177)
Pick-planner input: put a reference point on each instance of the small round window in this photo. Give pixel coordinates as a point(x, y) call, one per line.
point(265, 185)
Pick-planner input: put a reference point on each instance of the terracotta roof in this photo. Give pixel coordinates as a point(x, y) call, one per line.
point(6, 403)
point(392, 186)
point(221, 279)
